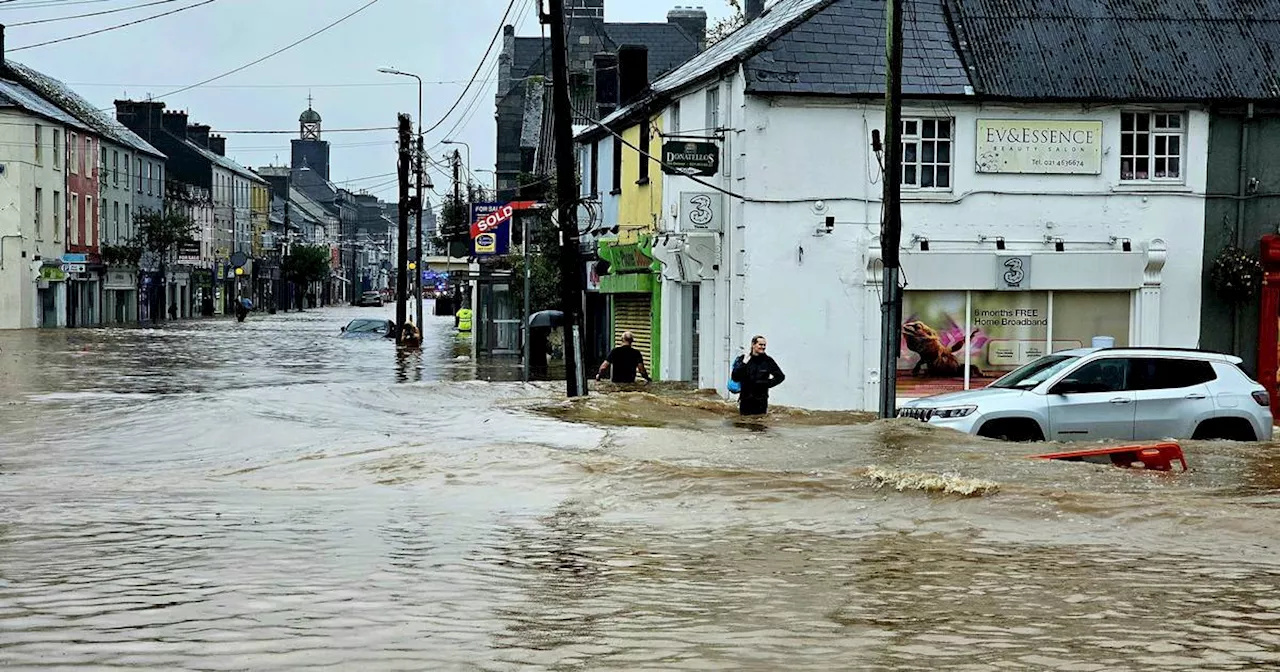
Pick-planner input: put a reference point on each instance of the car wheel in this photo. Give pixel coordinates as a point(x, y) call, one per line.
point(1015, 430)
point(1225, 429)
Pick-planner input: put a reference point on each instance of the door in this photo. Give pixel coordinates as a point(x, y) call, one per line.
point(1172, 396)
point(695, 318)
point(634, 313)
point(1093, 402)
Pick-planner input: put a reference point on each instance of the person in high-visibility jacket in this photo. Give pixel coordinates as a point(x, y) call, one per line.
point(462, 320)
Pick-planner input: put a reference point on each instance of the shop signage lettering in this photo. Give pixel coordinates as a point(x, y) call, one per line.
point(491, 228)
point(1013, 273)
point(1039, 146)
point(690, 158)
point(627, 258)
point(189, 249)
point(701, 211)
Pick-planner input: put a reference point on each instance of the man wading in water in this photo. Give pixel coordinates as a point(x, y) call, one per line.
point(623, 362)
point(757, 374)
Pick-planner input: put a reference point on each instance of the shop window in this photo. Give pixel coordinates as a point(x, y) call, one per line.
point(926, 153)
point(956, 340)
point(1152, 146)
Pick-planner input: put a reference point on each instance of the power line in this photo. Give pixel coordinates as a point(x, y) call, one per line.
point(496, 34)
point(270, 55)
point(45, 3)
point(294, 131)
point(116, 27)
point(84, 16)
point(272, 86)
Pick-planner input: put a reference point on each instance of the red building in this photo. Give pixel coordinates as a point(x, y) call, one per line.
point(83, 255)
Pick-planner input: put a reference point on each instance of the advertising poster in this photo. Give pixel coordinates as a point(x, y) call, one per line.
point(1079, 316)
point(1006, 330)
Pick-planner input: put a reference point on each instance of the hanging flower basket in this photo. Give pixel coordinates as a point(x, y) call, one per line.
point(1236, 274)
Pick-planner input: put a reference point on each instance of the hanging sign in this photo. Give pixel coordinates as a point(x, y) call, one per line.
point(680, 157)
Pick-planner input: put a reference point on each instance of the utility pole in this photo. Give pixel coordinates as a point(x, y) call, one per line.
point(528, 281)
point(402, 245)
point(466, 219)
point(417, 278)
point(572, 302)
point(891, 227)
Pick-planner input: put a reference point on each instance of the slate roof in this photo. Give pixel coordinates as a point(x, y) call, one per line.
point(841, 51)
point(1120, 49)
point(13, 94)
point(223, 162)
point(668, 44)
point(74, 104)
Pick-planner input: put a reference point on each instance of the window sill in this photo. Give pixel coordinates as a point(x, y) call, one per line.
point(642, 181)
point(1137, 186)
point(615, 192)
point(936, 195)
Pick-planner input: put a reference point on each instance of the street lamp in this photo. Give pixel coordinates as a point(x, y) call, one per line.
point(421, 199)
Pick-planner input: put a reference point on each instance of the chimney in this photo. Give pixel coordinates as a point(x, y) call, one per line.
point(693, 21)
point(633, 73)
point(175, 123)
point(606, 67)
point(752, 10)
point(218, 144)
point(199, 134)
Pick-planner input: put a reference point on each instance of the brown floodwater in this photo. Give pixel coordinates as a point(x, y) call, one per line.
point(268, 496)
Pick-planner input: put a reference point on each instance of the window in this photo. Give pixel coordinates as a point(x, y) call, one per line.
point(641, 156)
point(73, 151)
point(595, 170)
point(57, 210)
point(57, 148)
point(39, 145)
point(673, 126)
point(1169, 374)
point(115, 218)
point(1102, 375)
point(139, 175)
point(127, 222)
point(1151, 145)
point(149, 178)
point(39, 213)
point(91, 231)
point(926, 153)
point(159, 179)
point(73, 222)
point(127, 162)
point(713, 108)
point(115, 167)
point(617, 166)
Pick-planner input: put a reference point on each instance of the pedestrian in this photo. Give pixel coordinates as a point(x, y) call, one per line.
point(757, 374)
point(242, 311)
point(173, 311)
point(623, 362)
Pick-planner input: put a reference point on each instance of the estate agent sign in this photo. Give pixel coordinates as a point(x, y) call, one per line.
point(1039, 146)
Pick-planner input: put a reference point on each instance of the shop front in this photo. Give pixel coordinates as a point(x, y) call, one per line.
point(51, 296)
point(970, 317)
point(120, 302)
point(635, 296)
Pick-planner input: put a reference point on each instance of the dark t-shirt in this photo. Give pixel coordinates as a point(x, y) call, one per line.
point(624, 361)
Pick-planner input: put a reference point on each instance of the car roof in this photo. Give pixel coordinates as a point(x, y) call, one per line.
point(1185, 353)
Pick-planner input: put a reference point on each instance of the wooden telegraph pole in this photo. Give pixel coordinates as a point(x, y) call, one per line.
point(572, 302)
point(404, 150)
point(891, 227)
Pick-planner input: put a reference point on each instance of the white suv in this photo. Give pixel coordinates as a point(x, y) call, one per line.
point(1112, 393)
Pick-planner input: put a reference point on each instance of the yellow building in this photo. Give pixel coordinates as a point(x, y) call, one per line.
point(631, 284)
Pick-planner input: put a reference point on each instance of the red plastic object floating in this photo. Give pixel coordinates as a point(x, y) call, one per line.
point(1156, 457)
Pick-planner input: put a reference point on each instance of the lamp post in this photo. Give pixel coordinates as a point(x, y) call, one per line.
point(417, 282)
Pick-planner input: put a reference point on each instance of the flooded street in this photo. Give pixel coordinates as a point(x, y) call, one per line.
point(270, 496)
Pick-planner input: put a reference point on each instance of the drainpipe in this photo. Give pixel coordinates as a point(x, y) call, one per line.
point(1243, 189)
point(2, 239)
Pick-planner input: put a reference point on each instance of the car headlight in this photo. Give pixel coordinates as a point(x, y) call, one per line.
point(954, 412)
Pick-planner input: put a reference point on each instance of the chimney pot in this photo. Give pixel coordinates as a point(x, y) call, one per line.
point(753, 9)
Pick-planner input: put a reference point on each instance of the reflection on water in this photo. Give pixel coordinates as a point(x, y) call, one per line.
point(269, 495)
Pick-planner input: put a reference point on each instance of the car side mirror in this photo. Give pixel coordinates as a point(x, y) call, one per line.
point(343, 329)
point(1069, 386)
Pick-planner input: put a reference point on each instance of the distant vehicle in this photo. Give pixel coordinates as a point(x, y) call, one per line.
point(368, 328)
point(1110, 393)
point(371, 299)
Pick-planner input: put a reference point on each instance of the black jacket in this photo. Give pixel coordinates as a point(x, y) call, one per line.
point(758, 375)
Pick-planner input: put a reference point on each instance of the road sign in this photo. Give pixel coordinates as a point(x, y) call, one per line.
point(73, 268)
point(239, 259)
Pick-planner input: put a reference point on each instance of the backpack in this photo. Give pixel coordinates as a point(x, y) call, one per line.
point(734, 386)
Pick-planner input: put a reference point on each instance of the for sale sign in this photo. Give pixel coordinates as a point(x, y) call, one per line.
point(491, 228)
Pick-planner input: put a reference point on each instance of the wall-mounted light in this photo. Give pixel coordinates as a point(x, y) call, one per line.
point(831, 223)
point(876, 145)
point(1058, 245)
point(924, 244)
point(999, 242)
point(1126, 245)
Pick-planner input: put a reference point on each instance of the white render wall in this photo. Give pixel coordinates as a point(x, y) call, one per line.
point(800, 160)
point(22, 247)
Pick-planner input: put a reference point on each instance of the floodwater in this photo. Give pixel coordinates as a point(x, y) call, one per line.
point(269, 496)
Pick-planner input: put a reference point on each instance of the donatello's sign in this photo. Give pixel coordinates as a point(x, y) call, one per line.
point(690, 158)
point(1039, 146)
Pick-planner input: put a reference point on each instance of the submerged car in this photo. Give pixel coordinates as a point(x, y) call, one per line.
point(368, 328)
point(1125, 394)
point(371, 299)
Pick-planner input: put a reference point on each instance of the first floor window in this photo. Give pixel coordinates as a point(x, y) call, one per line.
point(926, 153)
point(1151, 146)
point(39, 213)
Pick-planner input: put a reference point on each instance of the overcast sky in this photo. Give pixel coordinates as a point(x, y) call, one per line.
point(440, 40)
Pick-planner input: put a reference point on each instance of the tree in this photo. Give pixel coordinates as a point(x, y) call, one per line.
point(162, 233)
point(544, 247)
point(727, 26)
point(306, 264)
point(454, 233)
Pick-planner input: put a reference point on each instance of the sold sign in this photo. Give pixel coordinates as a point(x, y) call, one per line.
point(492, 221)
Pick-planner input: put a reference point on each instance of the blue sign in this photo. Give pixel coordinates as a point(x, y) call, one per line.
point(491, 229)
point(69, 258)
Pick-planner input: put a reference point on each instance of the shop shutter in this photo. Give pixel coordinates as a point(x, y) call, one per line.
point(634, 313)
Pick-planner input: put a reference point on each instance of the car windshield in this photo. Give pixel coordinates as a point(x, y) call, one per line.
point(1036, 372)
point(367, 327)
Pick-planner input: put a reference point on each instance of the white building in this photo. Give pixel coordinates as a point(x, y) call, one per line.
point(1029, 225)
point(32, 209)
